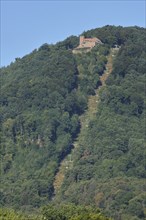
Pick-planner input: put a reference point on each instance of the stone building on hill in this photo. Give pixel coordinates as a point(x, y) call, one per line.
point(87, 44)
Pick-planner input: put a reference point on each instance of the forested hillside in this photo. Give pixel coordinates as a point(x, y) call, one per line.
point(109, 168)
point(40, 108)
point(56, 212)
point(43, 96)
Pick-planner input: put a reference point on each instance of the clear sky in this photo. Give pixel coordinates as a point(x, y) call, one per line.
point(26, 25)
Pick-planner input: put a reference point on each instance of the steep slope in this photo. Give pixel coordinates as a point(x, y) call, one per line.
point(43, 107)
point(67, 162)
point(109, 166)
point(38, 123)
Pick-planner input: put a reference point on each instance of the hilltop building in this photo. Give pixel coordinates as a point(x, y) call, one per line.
point(87, 44)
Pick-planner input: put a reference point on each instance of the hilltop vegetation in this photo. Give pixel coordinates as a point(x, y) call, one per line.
point(42, 96)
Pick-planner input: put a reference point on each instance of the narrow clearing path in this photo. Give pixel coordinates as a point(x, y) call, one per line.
point(85, 118)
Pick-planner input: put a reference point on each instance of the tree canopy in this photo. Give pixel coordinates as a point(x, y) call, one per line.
point(43, 96)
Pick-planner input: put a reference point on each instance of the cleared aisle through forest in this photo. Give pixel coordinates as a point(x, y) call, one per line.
point(93, 100)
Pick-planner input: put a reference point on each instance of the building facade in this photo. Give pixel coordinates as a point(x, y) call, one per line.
point(87, 44)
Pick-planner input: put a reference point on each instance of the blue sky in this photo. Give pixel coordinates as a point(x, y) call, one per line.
point(26, 25)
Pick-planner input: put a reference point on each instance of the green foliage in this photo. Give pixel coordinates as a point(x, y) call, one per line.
point(118, 35)
point(91, 65)
point(10, 214)
point(72, 212)
point(53, 212)
point(69, 43)
point(42, 96)
point(109, 168)
point(40, 108)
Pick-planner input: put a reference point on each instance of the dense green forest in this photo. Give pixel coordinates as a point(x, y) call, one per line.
point(56, 212)
point(109, 168)
point(43, 95)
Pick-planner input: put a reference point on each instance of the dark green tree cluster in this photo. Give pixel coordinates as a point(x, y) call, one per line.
point(116, 35)
point(91, 65)
point(69, 43)
point(10, 214)
point(72, 212)
point(56, 212)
